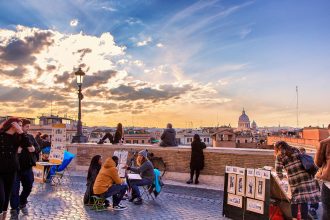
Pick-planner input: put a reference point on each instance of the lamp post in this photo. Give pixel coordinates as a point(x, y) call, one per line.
point(79, 137)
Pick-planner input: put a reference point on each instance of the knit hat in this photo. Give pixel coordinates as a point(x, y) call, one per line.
point(143, 153)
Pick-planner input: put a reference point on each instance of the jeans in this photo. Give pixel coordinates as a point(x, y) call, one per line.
point(27, 179)
point(134, 184)
point(117, 192)
point(6, 184)
point(303, 210)
point(325, 197)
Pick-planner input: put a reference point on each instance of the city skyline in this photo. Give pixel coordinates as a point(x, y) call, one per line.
point(152, 62)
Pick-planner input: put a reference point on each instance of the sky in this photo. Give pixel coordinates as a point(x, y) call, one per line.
point(149, 62)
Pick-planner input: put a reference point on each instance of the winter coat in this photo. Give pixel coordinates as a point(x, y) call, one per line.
point(168, 138)
point(197, 156)
point(146, 170)
point(322, 160)
point(304, 188)
point(8, 151)
point(28, 159)
point(107, 176)
point(90, 183)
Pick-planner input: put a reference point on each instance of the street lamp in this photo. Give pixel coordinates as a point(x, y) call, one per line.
point(79, 137)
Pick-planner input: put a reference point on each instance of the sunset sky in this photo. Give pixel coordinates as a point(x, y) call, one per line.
point(149, 62)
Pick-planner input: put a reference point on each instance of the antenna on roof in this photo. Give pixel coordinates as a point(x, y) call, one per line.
point(297, 107)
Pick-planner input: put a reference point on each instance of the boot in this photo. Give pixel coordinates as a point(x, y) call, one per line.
point(100, 141)
point(190, 181)
point(196, 181)
point(13, 214)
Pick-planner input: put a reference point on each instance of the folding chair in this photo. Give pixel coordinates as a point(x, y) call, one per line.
point(146, 192)
point(98, 203)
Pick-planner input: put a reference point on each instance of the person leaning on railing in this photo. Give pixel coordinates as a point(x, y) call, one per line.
point(322, 160)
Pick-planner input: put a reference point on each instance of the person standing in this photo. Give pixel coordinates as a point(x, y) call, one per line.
point(304, 188)
point(197, 158)
point(168, 137)
point(322, 160)
point(25, 175)
point(11, 138)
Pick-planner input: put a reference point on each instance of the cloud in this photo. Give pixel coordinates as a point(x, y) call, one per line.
point(144, 42)
point(160, 45)
point(245, 32)
point(133, 21)
point(20, 51)
point(108, 8)
point(74, 22)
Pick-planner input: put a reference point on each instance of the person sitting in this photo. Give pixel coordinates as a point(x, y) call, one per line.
point(168, 137)
point(146, 171)
point(93, 171)
point(108, 183)
point(118, 138)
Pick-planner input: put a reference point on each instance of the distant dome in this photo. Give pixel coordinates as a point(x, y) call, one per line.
point(244, 118)
point(254, 125)
point(243, 122)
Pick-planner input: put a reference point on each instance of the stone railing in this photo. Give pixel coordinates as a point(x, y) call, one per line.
point(177, 159)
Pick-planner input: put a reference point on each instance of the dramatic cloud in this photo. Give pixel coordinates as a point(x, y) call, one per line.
point(44, 61)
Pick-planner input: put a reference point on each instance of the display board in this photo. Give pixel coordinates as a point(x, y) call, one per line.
point(58, 143)
point(122, 156)
point(39, 172)
point(247, 193)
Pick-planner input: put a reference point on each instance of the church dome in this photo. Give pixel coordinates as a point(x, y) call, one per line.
point(244, 118)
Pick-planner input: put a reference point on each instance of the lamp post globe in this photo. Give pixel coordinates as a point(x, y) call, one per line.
point(79, 137)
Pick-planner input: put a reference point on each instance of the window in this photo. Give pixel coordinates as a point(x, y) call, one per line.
point(128, 141)
point(135, 141)
point(142, 141)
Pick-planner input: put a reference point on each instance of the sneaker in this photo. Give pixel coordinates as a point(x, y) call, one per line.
point(190, 181)
point(24, 210)
point(119, 207)
point(132, 199)
point(313, 213)
point(138, 201)
point(13, 214)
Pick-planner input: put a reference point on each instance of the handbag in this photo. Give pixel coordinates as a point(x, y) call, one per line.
point(308, 164)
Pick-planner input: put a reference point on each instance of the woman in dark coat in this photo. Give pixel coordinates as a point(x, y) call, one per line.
point(93, 170)
point(304, 188)
point(197, 158)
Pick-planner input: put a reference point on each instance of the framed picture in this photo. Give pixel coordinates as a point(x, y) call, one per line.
point(235, 170)
point(231, 183)
point(235, 200)
point(240, 185)
point(250, 186)
point(255, 206)
point(265, 174)
point(229, 169)
point(250, 172)
point(260, 188)
point(241, 171)
point(257, 173)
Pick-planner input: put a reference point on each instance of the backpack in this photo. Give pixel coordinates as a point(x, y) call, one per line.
point(308, 164)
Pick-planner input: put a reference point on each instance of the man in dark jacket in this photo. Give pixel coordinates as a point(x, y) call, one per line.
point(25, 175)
point(168, 137)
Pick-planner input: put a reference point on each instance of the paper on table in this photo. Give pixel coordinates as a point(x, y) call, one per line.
point(134, 176)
